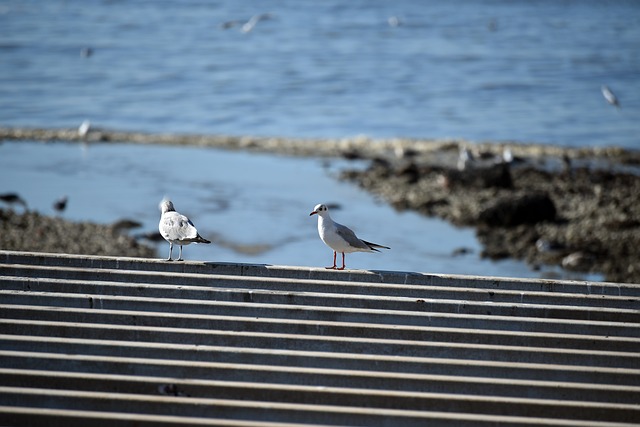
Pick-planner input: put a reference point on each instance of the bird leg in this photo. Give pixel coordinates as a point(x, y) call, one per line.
point(170, 251)
point(341, 268)
point(180, 257)
point(334, 262)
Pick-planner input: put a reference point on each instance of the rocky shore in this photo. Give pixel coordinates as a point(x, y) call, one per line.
point(31, 231)
point(582, 213)
point(574, 207)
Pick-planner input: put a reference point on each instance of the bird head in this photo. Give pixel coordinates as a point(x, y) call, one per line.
point(321, 210)
point(166, 205)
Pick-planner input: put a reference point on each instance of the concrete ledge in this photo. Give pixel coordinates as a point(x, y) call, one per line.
point(302, 273)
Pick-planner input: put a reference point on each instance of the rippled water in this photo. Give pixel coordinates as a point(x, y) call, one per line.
point(492, 69)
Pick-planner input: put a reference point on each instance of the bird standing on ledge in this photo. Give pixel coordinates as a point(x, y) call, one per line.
point(340, 238)
point(177, 228)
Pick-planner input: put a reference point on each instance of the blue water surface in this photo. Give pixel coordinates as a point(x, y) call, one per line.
point(481, 70)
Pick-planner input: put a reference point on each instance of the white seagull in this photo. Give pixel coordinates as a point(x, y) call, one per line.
point(248, 26)
point(177, 228)
point(340, 238)
point(84, 128)
point(610, 96)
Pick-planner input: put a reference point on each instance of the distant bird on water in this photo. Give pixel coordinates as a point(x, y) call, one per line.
point(84, 128)
point(394, 21)
point(13, 199)
point(61, 204)
point(610, 96)
point(340, 238)
point(247, 26)
point(177, 228)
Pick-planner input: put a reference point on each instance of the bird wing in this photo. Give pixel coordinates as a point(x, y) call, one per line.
point(174, 226)
point(350, 237)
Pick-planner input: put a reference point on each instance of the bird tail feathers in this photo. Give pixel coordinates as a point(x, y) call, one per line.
point(374, 246)
point(200, 239)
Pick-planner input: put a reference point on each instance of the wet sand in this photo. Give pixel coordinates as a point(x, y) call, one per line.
point(574, 207)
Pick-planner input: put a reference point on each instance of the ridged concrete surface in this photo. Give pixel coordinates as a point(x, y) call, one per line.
point(117, 341)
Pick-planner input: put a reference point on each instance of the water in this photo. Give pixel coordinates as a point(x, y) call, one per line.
point(247, 202)
point(479, 70)
point(260, 217)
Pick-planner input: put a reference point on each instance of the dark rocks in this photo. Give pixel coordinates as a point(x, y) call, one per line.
point(586, 220)
point(492, 176)
point(31, 231)
point(517, 209)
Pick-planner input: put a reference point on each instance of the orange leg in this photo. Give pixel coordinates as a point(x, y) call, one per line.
point(334, 262)
point(341, 268)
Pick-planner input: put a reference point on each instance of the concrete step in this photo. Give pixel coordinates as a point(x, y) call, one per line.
point(121, 341)
point(328, 328)
point(349, 344)
point(146, 390)
point(16, 415)
point(451, 382)
point(211, 282)
point(200, 308)
point(328, 360)
point(625, 311)
point(373, 319)
point(96, 263)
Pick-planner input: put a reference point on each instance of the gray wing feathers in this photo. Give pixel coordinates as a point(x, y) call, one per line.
point(178, 227)
point(351, 238)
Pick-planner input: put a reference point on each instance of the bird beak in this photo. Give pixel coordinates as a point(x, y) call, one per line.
point(312, 213)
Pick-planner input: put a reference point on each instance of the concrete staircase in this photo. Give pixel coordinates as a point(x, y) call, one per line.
point(95, 341)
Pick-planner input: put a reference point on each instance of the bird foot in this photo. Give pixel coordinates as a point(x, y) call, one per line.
point(169, 259)
point(331, 268)
point(341, 268)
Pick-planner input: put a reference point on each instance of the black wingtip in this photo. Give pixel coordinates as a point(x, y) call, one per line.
point(375, 246)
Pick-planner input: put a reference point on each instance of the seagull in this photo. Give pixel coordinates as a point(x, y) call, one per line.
point(84, 128)
point(340, 238)
point(177, 228)
point(465, 159)
point(394, 21)
point(248, 26)
point(610, 96)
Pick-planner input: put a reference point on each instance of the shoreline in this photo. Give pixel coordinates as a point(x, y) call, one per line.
point(547, 205)
point(351, 147)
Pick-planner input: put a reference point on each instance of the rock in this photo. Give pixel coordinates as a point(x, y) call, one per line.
point(496, 175)
point(409, 171)
point(516, 209)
